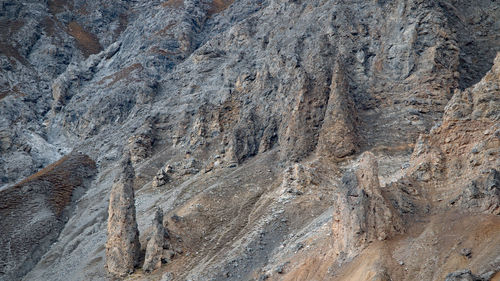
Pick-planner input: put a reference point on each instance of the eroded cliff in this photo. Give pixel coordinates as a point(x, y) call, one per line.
point(285, 140)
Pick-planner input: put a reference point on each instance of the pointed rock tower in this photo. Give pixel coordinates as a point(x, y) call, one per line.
point(338, 137)
point(122, 246)
point(157, 243)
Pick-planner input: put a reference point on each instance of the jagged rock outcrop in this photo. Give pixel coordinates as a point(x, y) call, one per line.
point(338, 137)
point(122, 245)
point(457, 161)
point(231, 94)
point(300, 136)
point(162, 177)
point(362, 213)
point(245, 139)
point(481, 194)
point(157, 244)
point(77, 74)
point(140, 144)
point(463, 275)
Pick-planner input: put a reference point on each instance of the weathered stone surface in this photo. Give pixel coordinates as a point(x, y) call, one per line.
point(75, 74)
point(35, 211)
point(481, 194)
point(463, 275)
point(296, 180)
point(457, 161)
point(338, 137)
point(241, 90)
point(162, 177)
point(480, 101)
point(300, 135)
point(40, 40)
point(140, 144)
point(157, 244)
point(167, 277)
point(122, 245)
point(361, 212)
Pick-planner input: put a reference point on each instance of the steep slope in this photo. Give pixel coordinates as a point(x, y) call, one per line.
point(259, 125)
point(39, 39)
point(35, 210)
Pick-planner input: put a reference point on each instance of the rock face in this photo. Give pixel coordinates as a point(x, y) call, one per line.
point(157, 244)
point(274, 116)
point(40, 41)
point(361, 212)
point(338, 136)
point(458, 159)
point(64, 85)
point(122, 245)
point(140, 144)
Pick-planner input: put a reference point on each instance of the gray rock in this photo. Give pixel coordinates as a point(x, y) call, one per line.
point(481, 194)
point(361, 213)
point(140, 147)
point(463, 275)
point(63, 86)
point(157, 244)
point(245, 79)
point(163, 176)
point(466, 252)
point(167, 277)
point(263, 277)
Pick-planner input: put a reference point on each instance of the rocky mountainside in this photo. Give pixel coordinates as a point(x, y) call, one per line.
point(259, 140)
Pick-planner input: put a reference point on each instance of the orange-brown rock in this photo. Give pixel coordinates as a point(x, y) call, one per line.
point(338, 137)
